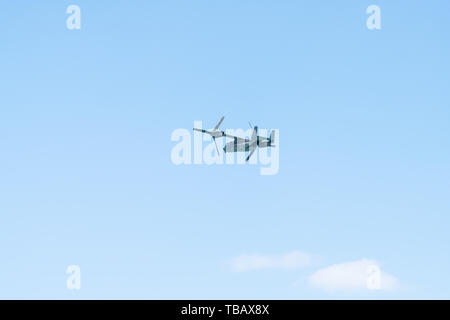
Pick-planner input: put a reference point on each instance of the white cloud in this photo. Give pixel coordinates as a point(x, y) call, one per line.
point(363, 274)
point(292, 260)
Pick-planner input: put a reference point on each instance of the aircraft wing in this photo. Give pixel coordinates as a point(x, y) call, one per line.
point(218, 134)
point(238, 139)
point(203, 131)
point(214, 133)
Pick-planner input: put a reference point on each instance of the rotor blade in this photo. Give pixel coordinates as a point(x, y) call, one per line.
point(255, 134)
point(220, 122)
point(251, 127)
point(251, 153)
point(217, 148)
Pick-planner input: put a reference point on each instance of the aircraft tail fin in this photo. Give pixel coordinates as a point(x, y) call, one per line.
point(272, 138)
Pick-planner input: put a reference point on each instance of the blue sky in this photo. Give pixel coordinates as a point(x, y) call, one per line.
point(86, 176)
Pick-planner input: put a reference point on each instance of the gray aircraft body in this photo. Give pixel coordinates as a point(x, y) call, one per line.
point(240, 144)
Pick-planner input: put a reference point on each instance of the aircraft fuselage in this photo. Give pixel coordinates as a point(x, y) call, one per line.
point(234, 146)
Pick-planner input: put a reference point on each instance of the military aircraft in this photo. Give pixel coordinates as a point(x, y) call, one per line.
point(240, 144)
